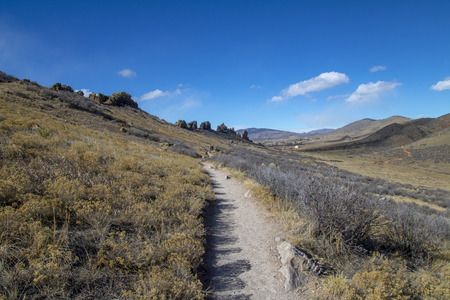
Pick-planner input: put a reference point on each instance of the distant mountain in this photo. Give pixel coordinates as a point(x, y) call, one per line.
point(318, 131)
point(436, 130)
point(366, 126)
point(263, 134)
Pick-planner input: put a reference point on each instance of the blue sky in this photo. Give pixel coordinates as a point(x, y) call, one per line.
point(289, 65)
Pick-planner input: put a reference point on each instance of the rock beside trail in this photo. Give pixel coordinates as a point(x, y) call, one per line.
point(294, 263)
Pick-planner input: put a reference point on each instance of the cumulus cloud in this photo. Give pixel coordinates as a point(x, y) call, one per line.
point(441, 85)
point(253, 86)
point(377, 68)
point(158, 93)
point(127, 73)
point(337, 96)
point(316, 84)
point(86, 92)
point(371, 91)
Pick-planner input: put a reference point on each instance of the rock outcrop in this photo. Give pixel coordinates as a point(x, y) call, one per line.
point(122, 99)
point(181, 124)
point(245, 135)
point(222, 128)
point(116, 99)
point(225, 129)
point(61, 87)
point(192, 125)
point(205, 125)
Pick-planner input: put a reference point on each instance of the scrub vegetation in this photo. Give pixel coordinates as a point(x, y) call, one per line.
point(95, 214)
point(367, 245)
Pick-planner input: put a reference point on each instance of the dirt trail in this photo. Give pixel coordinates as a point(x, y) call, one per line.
point(241, 257)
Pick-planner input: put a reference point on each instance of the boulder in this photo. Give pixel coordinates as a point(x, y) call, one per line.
point(181, 124)
point(81, 93)
point(205, 125)
point(238, 134)
point(294, 264)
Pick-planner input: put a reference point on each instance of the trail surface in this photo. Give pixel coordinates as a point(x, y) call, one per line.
point(241, 257)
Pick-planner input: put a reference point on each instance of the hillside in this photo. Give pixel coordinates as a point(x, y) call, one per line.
point(366, 126)
point(394, 135)
point(98, 200)
point(264, 134)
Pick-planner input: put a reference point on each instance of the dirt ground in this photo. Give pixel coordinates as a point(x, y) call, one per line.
point(241, 260)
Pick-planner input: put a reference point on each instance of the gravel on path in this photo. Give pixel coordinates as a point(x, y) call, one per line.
point(241, 260)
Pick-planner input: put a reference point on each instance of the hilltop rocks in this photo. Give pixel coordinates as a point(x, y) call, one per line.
point(205, 125)
point(116, 99)
point(181, 124)
point(122, 99)
point(222, 128)
point(192, 125)
point(245, 135)
point(225, 129)
point(61, 87)
point(81, 93)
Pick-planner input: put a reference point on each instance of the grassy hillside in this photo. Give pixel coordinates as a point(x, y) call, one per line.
point(366, 126)
point(97, 201)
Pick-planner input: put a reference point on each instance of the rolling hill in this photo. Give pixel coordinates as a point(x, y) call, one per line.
point(366, 126)
point(394, 134)
point(264, 134)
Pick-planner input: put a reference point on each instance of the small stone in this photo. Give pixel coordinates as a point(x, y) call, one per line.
point(278, 239)
point(227, 177)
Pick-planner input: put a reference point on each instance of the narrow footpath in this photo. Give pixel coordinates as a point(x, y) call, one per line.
point(241, 260)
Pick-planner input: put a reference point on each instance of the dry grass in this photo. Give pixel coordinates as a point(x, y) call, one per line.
point(426, 174)
point(95, 213)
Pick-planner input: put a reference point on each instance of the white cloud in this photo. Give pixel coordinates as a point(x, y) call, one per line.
point(253, 86)
point(313, 100)
point(337, 96)
point(127, 73)
point(377, 68)
point(276, 99)
point(316, 84)
point(371, 91)
point(158, 93)
point(180, 85)
point(86, 92)
point(441, 85)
